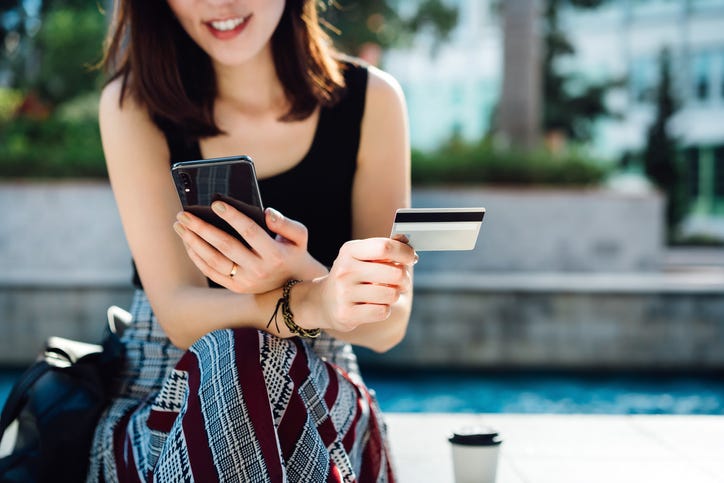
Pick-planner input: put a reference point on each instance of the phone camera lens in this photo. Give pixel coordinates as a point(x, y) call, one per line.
point(186, 181)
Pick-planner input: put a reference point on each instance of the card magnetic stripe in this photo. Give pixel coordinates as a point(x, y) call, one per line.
point(438, 217)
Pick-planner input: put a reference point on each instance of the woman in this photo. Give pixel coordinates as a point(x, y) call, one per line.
point(212, 389)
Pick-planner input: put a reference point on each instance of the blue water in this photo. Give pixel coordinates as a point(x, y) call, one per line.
point(528, 392)
point(566, 393)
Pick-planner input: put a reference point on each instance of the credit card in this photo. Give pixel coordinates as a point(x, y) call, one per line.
point(437, 229)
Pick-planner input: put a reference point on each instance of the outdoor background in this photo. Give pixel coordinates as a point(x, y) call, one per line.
point(591, 130)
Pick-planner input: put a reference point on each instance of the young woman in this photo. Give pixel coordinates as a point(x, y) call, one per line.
point(212, 390)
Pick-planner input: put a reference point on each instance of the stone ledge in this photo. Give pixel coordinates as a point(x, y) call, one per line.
point(563, 321)
point(697, 282)
point(472, 320)
point(68, 280)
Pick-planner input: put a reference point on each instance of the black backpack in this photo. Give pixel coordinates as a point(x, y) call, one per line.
point(51, 413)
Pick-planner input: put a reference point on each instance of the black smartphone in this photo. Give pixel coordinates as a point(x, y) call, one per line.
point(232, 180)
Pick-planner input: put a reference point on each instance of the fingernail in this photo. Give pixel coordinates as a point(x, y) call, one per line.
point(183, 218)
point(417, 259)
point(178, 228)
point(274, 215)
point(218, 207)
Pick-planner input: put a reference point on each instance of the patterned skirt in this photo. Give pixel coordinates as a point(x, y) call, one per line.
point(240, 405)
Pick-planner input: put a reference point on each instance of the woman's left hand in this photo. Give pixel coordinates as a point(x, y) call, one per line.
point(264, 266)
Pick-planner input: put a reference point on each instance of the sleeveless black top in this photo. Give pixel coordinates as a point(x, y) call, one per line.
point(317, 191)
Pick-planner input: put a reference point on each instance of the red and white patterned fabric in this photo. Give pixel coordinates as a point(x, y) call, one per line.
point(240, 405)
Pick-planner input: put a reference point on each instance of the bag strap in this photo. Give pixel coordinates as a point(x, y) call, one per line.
point(15, 400)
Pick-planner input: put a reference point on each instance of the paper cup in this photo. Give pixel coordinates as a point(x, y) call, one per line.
point(475, 454)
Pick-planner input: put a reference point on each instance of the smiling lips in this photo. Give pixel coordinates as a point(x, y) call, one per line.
point(227, 28)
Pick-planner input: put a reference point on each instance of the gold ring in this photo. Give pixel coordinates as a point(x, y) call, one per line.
point(234, 267)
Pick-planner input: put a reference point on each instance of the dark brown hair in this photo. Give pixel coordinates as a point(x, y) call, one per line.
point(164, 69)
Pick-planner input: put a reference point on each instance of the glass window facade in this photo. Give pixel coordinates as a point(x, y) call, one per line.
point(691, 157)
point(719, 171)
point(643, 79)
point(701, 77)
point(721, 75)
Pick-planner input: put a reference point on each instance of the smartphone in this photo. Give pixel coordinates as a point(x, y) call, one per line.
point(231, 179)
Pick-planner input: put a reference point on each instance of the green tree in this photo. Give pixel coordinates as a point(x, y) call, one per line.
point(565, 103)
point(355, 23)
point(570, 104)
point(49, 126)
point(660, 153)
point(70, 44)
point(50, 46)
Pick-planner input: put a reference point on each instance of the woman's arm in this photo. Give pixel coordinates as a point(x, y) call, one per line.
point(137, 158)
point(382, 184)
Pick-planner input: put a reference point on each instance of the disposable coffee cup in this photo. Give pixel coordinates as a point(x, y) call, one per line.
point(475, 454)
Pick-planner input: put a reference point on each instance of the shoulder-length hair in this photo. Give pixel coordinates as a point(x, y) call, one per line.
point(168, 73)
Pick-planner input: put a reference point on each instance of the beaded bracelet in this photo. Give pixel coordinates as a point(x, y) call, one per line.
point(287, 315)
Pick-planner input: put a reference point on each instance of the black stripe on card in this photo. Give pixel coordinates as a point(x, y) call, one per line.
point(438, 216)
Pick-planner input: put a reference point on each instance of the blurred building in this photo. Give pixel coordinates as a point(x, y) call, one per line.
point(453, 88)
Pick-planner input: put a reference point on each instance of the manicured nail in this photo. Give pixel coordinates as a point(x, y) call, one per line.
point(218, 207)
point(183, 218)
point(179, 228)
point(274, 215)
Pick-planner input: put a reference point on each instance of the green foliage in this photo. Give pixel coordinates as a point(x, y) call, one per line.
point(355, 23)
point(10, 99)
point(82, 108)
point(66, 145)
point(70, 44)
point(660, 154)
point(23, 18)
point(53, 47)
point(570, 104)
point(52, 68)
point(458, 162)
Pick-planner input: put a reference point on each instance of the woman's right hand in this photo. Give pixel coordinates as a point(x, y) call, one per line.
point(366, 280)
point(263, 266)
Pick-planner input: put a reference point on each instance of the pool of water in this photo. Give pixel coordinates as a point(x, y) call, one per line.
point(529, 392)
point(566, 393)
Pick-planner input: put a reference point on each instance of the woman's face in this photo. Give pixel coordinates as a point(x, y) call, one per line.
point(231, 32)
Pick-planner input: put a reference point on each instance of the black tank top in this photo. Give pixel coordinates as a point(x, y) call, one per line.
point(317, 191)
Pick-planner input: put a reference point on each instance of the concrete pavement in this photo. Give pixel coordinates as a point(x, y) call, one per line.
point(541, 448)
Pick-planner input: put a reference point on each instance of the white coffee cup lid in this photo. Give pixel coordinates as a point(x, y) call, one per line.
point(475, 436)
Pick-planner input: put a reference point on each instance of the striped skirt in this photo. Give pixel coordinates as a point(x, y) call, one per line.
point(240, 405)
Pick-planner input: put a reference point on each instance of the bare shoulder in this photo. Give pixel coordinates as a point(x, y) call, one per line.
point(385, 113)
point(126, 126)
point(385, 110)
point(111, 95)
point(383, 89)
point(110, 105)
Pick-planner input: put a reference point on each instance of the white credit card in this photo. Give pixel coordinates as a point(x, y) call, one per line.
point(436, 229)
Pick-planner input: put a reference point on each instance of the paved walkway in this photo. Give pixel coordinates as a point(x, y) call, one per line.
point(568, 448)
